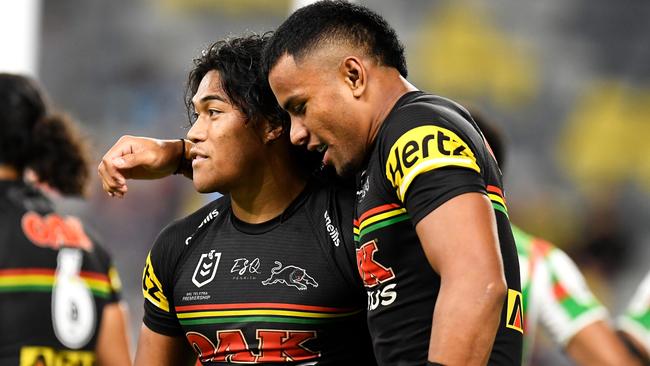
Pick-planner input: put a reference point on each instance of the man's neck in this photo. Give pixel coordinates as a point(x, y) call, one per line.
point(269, 193)
point(8, 173)
point(391, 87)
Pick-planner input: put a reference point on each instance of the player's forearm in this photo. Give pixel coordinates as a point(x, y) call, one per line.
point(157, 349)
point(466, 319)
point(598, 344)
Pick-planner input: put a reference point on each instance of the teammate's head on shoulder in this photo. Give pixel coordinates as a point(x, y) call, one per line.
point(330, 65)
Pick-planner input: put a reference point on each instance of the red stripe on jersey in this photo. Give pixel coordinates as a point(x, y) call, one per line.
point(261, 305)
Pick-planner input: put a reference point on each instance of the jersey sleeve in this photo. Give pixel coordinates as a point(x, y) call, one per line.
point(115, 284)
point(567, 304)
point(428, 159)
point(157, 285)
point(636, 318)
point(110, 280)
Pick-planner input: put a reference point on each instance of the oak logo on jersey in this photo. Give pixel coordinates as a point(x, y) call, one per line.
point(54, 231)
point(291, 276)
point(274, 346)
point(372, 272)
point(206, 269)
point(422, 149)
point(515, 313)
point(152, 288)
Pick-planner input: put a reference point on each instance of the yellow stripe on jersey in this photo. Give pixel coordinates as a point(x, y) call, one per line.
point(114, 279)
point(423, 149)
point(152, 288)
point(496, 198)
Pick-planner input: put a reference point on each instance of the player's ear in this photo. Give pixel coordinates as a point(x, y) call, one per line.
point(354, 75)
point(272, 132)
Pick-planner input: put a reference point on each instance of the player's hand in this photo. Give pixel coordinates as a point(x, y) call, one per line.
point(134, 157)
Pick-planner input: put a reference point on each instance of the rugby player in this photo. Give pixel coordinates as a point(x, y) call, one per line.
point(265, 274)
point(59, 291)
point(556, 294)
point(434, 245)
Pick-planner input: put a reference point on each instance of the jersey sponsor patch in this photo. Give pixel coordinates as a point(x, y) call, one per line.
point(372, 272)
point(274, 346)
point(152, 288)
point(206, 269)
point(332, 230)
point(54, 231)
point(423, 149)
point(46, 356)
point(290, 275)
point(515, 316)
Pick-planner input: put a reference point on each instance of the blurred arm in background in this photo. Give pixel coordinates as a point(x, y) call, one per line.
point(634, 324)
point(556, 293)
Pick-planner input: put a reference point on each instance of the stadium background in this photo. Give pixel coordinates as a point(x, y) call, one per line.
point(569, 82)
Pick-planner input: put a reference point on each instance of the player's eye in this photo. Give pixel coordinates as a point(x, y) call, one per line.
point(299, 108)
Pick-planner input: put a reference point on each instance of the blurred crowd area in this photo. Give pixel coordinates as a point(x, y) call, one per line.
point(567, 81)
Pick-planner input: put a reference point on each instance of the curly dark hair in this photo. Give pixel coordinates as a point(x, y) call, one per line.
point(341, 21)
point(32, 137)
point(237, 60)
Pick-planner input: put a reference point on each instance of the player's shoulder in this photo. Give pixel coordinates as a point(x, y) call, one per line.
point(416, 109)
point(175, 236)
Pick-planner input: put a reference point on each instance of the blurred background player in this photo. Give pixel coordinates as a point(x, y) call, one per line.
point(634, 324)
point(265, 274)
point(555, 293)
point(59, 292)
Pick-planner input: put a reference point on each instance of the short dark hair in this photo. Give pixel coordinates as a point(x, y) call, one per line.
point(32, 137)
point(327, 20)
point(237, 60)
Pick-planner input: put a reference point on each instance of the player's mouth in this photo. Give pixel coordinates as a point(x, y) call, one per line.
point(321, 148)
point(197, 157)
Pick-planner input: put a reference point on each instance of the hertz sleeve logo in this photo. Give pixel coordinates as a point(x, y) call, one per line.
point(151, 287)
point(515, 313)
point(422, 149)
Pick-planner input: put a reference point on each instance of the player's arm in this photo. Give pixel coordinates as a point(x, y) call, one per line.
point(598, 344)
point(573, 315)
point(158, 349)
point(634, 324)
point(460, 241)
point(113, 341)
point(134, 157)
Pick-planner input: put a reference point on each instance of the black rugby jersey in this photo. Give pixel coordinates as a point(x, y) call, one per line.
point(54, 283)
point(281, 292)
point(428, 150)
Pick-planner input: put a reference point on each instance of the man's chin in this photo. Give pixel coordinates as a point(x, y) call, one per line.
point(204, 188)
point(346, 170)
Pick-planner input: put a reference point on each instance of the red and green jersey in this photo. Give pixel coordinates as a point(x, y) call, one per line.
point(555, 292)
point(636, 318)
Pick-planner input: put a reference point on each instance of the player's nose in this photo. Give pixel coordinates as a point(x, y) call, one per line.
point(298, 133)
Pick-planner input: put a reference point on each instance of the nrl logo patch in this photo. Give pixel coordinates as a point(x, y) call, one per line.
point(206, 269)
point(291, 276)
